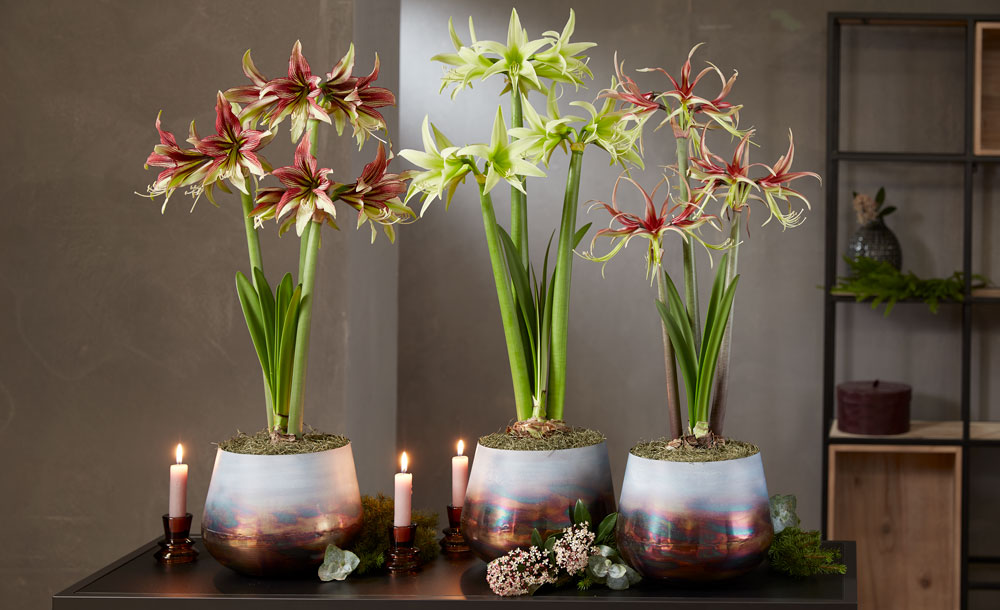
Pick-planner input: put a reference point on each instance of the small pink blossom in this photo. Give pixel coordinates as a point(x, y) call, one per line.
point(574, 548)
point(520, 572)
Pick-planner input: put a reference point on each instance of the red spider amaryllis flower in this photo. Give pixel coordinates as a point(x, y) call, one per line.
point(682, 118)
point(232, 148)
point(775, 186)
point(303, 191)
point(652, 225)
point(353, 99)
point(626, 90)
point(715, 173)
point(295, 95)
point(376, 196)
point(184, 167)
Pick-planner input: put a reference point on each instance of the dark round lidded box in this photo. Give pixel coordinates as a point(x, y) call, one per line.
point(873, 407)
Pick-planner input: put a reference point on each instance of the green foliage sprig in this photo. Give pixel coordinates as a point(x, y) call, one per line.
point(796, 552)
point(883, 283)
point(372, 544)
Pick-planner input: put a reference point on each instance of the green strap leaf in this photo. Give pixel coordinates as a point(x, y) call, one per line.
point(522, 288)
point(286, 351)
point(578, 237)
point(266, 300)
point(250, 304)
point(712, 342)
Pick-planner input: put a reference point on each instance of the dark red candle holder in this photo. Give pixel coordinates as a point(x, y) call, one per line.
point(176, 546)
point(453, 541)
point(403, 558)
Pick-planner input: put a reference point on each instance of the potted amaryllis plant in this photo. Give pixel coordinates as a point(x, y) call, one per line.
point(278, 498)
point(695, 505)
point(513, 488)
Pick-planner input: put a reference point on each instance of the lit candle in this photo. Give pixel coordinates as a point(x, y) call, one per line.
point(459, 476)
point(178, 485)
point(404, 490)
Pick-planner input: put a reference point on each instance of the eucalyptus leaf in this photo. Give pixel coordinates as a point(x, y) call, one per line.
point(337, 564)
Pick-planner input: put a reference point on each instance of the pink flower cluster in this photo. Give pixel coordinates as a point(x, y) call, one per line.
point(520, 572)
point(574, 548)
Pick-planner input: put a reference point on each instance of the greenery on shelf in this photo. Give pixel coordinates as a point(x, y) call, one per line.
point(796, 552)
point(883, 283)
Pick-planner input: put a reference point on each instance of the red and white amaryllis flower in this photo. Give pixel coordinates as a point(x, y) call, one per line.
point(626, 90)
point(376, 195)
point(303, 192)
point(775, 185)
point(232, 149)
point(652, 225)
point(353, 99)
point(295, 95)
point(183, 167)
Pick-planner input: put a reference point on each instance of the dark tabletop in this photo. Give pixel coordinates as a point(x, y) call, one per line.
point(137, 582)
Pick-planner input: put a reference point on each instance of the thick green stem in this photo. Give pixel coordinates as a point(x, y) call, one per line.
point(669, 361)
point(508, 313)
point(690, 275)
point(312, 125)
point(560, 292)
point(301, 354)
point(253, 248)
point(518, 200)
point(720, 386)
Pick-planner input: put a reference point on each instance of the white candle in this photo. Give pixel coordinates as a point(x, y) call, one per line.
point(459, 476)
point(404, 491)
point(178, 485)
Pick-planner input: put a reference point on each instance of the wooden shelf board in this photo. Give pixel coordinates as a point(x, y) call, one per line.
point(986, 89)
point(919, 430)
point(949, 430)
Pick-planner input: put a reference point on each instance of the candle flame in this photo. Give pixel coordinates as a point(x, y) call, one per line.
point(403, 461)
point(180, 453)
point(461, 447)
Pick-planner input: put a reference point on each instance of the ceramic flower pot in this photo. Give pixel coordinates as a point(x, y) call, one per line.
point(876, 241)
point(512, 492)
point(694, 520)
point(275, 514)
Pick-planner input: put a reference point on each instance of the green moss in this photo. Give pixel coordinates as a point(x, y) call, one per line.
point(669, 450)
point(800, 553)
point(260, 443)
point(372, 544)
point(570, 438)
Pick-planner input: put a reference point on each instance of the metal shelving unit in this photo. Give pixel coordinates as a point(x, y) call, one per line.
point(963, 433)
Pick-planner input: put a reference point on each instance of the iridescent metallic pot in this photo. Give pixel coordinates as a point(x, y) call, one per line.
point(512, 492)
point(694, 520)
point(275, 514)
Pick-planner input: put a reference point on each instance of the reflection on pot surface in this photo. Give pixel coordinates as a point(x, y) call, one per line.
point(275, 514)
point(694, 520)
point(512, 492)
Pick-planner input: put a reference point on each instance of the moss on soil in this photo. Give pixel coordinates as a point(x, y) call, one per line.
point(260, 443)
point(571, 438)
point(661, 449)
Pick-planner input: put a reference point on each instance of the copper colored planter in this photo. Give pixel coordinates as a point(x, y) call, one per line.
point(512, 492)
point(694, 520)
point(275, 514)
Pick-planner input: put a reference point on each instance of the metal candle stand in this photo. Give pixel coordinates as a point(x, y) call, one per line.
point(403, 557)
point(453, 541)
point(176, 546)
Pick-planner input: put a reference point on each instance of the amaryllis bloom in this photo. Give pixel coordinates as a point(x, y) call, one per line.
point(304, 192)
point(563, 62)
point(504, 159)
point(629, 92)
point(689, 104)
point(295, 95)
point(376, 196)
point(444, 168)
point(352, 99)
point(715, 173)
point(652, 225)
point(775, 186)
point(232, 148)
point(184, 167)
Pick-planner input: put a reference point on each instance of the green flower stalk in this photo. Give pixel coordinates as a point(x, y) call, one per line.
point(279, 321)
point(534, 305)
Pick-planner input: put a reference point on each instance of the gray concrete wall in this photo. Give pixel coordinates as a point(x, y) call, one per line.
point(455, 378)
point(120, 328)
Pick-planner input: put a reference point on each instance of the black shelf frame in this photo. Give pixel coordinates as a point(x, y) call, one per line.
point(970, 163)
